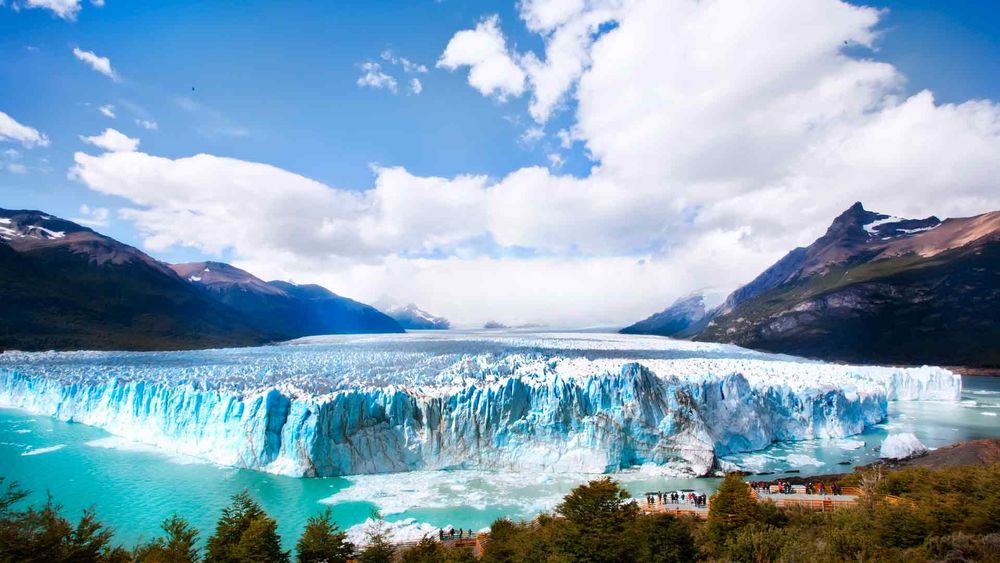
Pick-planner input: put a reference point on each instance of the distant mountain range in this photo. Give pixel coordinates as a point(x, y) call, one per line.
point(874, 288)
point(685, 318)
point(412, 317)
point(65, 286)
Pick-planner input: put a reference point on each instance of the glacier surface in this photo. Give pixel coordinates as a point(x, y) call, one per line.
point(582, 402)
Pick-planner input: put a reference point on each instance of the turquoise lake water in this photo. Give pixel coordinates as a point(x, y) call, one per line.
point(134, 487)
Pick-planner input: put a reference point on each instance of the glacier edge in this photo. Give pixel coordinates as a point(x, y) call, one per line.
point(553, 415)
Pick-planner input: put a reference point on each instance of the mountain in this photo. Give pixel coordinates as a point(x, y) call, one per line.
point(412, 317)
point(65, 286)
point(685, 318)
point(880, 289)
point(282, 309)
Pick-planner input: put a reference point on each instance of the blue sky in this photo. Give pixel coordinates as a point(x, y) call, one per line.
point(274, 81)
point(277, 83)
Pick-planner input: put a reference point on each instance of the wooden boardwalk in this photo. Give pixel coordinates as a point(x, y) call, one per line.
point(675, 508)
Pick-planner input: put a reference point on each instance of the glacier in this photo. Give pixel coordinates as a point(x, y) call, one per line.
point(553, 402)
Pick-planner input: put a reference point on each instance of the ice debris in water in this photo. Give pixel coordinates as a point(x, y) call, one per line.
point(553, 402)
point(901, 446)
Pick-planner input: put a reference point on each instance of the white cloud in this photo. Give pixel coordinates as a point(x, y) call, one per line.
point(372, 76)
point(107, 110)
point(11, 130)
point(65, 9)
point(492, 69)
point(147, 124)
point(724, 134)
point(97, 3)
point(92, 216)
point(98, 63)
point(416, 87)
point(112, 140)
point(408, 65)
point(565, 138)
point(568, 29)
point(555, 160)
point(532, 135)
point(10, 160)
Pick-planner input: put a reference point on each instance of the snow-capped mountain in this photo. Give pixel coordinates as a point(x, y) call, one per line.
point(877, 288)
point(684, 318)
point(873, 288)
point(66, 286)
point(283, 309)
point(412, 317)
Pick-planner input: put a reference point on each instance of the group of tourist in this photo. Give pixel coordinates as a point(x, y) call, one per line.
point(453, 534)
point(699, 501)
point(785, 487)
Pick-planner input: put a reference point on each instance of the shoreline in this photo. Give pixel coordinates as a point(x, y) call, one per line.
point(978, 452)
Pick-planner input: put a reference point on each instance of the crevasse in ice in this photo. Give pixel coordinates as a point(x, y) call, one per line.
point(550, 402)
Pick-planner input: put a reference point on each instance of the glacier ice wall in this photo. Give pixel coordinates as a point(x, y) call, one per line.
point(529, 404)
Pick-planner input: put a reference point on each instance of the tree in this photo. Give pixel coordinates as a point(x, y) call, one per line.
point(500, 546)
point(598, 515)
point(245, 533)
point(176, 546)
point(662, 538)
point(378, 540)
point(260, 542)
point(757, 543)
point(731, 508)
point(43, 534)
point(322, 540)
point(427, 551)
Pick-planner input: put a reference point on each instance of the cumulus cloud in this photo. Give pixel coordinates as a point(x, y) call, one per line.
point(567, 28)
point(416, 87)
point(408, 65)
point(11, 130)
point(372, 76)
point(92, 216)
point(723, 134)
point(10, 160)
point(98, 63)
point(112, 140)
point(65, 9)
point(107, 110)
point(492, 68)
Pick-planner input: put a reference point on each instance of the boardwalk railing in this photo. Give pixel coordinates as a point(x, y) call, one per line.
point(677, 509)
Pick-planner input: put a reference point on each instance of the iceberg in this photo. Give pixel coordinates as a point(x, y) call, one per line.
point(901, 446)
point(551, 402)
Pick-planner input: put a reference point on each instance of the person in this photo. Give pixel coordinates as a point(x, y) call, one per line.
point(441, 535)
point(452, 533)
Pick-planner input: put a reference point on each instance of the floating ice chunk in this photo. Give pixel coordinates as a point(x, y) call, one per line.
point(902, 446)
point(801, 460)
point(121, 444)
point(850, 444)
point(39, 451)
point(406, 530)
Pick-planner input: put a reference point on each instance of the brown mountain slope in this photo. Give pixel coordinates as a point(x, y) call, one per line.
point(878, 289)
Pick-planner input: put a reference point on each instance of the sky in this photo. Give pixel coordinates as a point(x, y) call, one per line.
point(562, 162)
